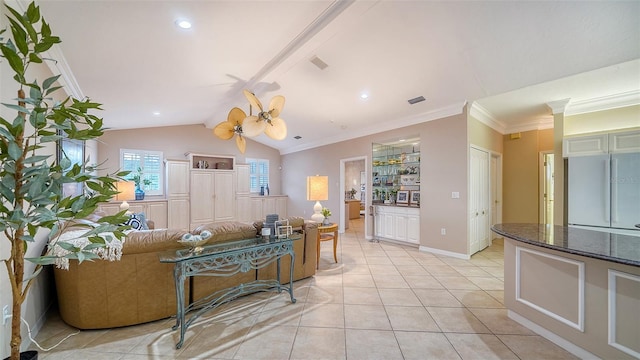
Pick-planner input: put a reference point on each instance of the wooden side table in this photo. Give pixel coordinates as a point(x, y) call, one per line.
point(326, 233)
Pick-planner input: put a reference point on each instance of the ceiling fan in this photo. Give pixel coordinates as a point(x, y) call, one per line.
point(267, 121)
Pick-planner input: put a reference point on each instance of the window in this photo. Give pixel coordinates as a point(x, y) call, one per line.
point(258, 173)
point(151, 164)
point(74, 151)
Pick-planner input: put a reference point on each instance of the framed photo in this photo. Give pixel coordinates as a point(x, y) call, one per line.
point(415, 198)
point(402, 197)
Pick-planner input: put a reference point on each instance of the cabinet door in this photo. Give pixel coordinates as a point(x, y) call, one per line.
point(242, 179)
point(139, 208)
point(585, 145)
point(624, 142)
point(177, 178)
point(256, 209)
point(243, 209)
point(281, 206)
point(178, 213)
point(269, 206)
point(225, 199)
point(202, 197)
point(413, 229)
point(157, 211)
point(400, 224)
point(388, 230)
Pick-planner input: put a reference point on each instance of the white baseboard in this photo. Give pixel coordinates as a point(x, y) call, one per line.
point(565, 344)
point(444, 252)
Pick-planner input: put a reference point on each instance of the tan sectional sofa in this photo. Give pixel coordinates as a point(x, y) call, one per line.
point(138, 288)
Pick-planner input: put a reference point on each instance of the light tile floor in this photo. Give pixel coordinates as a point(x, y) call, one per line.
point(381, 301)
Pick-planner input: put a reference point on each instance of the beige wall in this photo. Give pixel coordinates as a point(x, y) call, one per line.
point(483, 136)
point(520, 175)
point(443, 169)
point(175, 141)
point(614, 119)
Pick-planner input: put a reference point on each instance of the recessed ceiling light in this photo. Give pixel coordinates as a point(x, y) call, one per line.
point(156, 113)
point(183, 24)
point(364, 96)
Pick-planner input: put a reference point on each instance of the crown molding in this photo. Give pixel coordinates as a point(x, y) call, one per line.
point(484, 116)
point(534, 123)
point(608, 102)
point(558, 106)
point(436, 114)
point(56, 62)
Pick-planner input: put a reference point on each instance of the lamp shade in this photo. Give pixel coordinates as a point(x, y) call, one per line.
point(317, 188)
point(126, 189)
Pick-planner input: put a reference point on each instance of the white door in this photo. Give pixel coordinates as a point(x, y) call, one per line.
point(589, 190)
point(479, 209)
point(225, 199)
point(202, 197)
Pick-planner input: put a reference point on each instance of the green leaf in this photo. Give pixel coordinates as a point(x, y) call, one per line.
point(14, 60)
point(17, 108)
point(43, 46)
point(35, 58)
point(33, 13)
point(14, 151)
point(51, 90)
point(46, 29)
point(19, 36)
point(49, 81)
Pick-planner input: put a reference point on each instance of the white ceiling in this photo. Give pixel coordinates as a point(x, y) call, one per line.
point(507, 58)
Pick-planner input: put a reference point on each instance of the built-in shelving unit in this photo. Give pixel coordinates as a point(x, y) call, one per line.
point(395, 167)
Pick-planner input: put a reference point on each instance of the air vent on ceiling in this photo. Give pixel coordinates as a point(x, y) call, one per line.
point(416, 100)
point(297, 137)
point(319, 63)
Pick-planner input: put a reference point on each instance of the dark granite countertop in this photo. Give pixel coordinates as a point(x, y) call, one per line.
point(623, 249)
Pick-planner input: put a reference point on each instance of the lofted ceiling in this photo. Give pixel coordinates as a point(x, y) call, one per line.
point(506, 58)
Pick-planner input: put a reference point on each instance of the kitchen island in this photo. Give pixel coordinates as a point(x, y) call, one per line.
point(578, 288)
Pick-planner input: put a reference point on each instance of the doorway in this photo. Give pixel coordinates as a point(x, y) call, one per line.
point(546, 187)
point(354, 189)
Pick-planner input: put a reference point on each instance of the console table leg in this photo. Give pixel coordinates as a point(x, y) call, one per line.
point(293, 260)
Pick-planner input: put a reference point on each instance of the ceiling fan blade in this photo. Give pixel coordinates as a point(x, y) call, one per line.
point(276, 105)
point(253, 100)
point(241, 142)
point(253, 126)
point(224, 130)
point(277, 130)
point(236, 116)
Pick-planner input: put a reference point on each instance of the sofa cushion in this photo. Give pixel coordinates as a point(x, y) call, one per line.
point(137, 222)
point(231, 230)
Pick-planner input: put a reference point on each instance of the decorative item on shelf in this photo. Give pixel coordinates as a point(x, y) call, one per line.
point(202, 164)
point(138, 178)
point(270, 222)
point(238, 123)
point(317, 190)
point(415, 198)
point(351, 194)
point(261, 190)
point(403, 198)
point(126, 191)
point(266, 189)
point(326, 213)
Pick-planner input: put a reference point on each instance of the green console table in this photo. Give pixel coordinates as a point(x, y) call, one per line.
point(226, 259)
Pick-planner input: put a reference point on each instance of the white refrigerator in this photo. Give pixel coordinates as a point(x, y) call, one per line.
point(604, 192)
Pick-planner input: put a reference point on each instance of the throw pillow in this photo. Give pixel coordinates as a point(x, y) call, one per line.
point(137, 222)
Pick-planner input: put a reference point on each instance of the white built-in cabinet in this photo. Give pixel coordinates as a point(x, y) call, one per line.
point(178, 202)
point(155, 210)
point(261, 206)
point(602, 143)
point(212, 196)
point(397, 223)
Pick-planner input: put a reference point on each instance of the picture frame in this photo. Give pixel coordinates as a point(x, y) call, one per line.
point(402, 197)
point(415, 198)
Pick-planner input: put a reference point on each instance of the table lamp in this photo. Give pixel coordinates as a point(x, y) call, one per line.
point(317, 189)
point(126, 191)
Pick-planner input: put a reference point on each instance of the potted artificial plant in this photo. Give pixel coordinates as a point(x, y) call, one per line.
point(31, 176)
